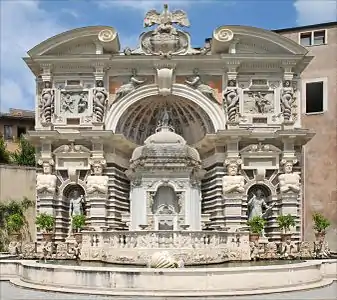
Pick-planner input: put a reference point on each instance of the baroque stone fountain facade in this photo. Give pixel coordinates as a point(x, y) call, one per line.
point(164, 146)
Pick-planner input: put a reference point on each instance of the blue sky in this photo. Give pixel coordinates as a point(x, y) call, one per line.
point(25, 23)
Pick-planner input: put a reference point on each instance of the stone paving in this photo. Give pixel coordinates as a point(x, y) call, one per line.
point(10, 292)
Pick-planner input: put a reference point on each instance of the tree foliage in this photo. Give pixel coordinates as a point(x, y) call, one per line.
point(25, 155)
point(4, 154)
point(9, 212)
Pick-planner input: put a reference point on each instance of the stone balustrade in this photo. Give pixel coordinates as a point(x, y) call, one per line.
point(192, 247)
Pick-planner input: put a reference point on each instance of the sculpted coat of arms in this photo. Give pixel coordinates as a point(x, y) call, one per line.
point(165, 39)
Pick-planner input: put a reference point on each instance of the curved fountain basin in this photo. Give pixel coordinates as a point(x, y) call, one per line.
point(169, 282)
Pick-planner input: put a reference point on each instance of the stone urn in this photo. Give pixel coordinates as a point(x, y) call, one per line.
point(78, 237)
point(47, 236)
point(285, 237)
point(320, 236)
point(15, 237)
point(254, 237)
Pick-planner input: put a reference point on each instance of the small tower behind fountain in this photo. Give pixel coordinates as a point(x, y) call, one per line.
point(165, 176)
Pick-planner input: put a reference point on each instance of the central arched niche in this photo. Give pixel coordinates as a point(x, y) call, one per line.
point(141, 119)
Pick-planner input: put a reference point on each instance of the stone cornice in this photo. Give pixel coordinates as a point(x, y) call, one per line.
point(216, 62)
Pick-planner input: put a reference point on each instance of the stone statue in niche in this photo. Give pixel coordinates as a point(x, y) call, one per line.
point(100, 100)
point(46, 104)
point(46, 182)
point(231, 103)
point(257, 206)
point(233, 183)
point(196, 83)
point(97, 183)
point(76, 207)
point(129, 87)
point(287, 100)
point(76, 204)
point(289, 181)
point(75, 102)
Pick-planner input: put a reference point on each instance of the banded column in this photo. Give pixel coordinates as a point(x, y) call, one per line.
point(290, 187)
point(233, 191)
point(97, 190)
point(46, 186)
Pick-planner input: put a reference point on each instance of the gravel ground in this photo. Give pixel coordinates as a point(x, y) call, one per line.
point(11, 292)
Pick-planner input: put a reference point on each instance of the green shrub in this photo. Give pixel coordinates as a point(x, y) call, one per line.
point(45, 222)
point(256, 225)
point(15, 223)
point(320, 222)
point(285, 222)
point(78, 222)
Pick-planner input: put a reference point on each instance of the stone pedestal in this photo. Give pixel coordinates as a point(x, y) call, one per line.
point(98, 210)
point(46, 205)
point(289, 204)
point(232, 210)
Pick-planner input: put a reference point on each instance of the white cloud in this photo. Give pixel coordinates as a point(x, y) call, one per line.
point(145, 5)
point(24, 24)
point(315, 11)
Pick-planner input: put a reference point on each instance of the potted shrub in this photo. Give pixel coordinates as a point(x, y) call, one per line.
point(256, 226)
point(320, 225)
point(15, 223)
point(78, 223)
point(285, 222)
point(45, 223)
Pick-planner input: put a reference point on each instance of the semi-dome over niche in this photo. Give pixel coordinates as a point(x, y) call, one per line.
point(163, 146)
point(141, 119)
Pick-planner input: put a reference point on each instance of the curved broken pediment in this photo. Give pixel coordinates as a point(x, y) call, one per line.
point(83, 40)
point(237, 39)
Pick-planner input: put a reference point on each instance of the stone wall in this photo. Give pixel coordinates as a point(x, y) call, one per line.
point(320, 154)
point(17, 182)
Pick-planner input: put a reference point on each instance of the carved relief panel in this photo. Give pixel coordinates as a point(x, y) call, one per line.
point(73, 102)
point(259, 101)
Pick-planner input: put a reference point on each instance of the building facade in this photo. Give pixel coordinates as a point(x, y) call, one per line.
point(15, 123)
point(231, 108)
point(319, 112)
